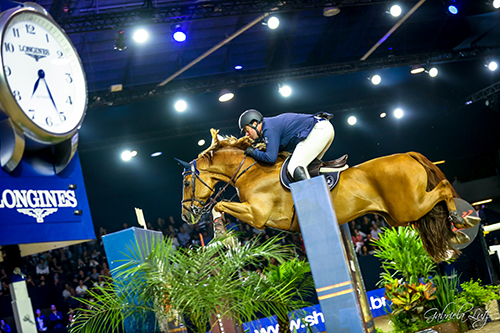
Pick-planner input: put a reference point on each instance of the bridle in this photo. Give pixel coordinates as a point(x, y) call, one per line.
point(205, 207)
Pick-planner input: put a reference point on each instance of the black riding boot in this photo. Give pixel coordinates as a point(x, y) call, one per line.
point(300, 173)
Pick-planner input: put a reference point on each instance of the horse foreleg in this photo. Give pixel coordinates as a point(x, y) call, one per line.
point(241, 211)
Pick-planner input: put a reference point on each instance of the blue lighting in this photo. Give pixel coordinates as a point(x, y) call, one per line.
point(179, 36)
point(453, 9)
point(238, 67)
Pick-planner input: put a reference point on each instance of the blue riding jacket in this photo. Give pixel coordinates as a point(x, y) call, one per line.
point(283, 133)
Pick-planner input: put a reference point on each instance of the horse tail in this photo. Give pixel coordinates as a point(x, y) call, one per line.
point(435, 228)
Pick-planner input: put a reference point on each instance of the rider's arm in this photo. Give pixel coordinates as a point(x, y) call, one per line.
point(272, 148)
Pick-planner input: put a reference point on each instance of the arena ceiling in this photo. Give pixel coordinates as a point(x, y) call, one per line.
point(318, 56)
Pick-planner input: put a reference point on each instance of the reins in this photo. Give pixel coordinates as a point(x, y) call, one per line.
point(207, 206)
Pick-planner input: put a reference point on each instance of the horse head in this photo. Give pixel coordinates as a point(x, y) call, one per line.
point(202, 174)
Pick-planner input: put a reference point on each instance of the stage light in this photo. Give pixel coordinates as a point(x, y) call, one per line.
point(127, 155)
point(225, 95)
point(452, 9)
point(375, 79)
point(179, 36)
point(238, 67)
point(273, 22)
point(351, 120)
point(415, 69)
point(383, 114)
point(398, 113)
point(140, 35)
point(433, 72)
point(158, 153)
point(285, 91)
point(492, 66)
point(180, 105)
point(201, 142)
point(395, 10)
point(496, 4)
point(120, 41)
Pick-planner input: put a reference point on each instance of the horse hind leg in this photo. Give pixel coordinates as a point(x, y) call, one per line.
point(445, 191)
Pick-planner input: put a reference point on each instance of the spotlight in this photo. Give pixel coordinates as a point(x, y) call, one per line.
point(180, 105)
point(496, 4)
point(433, 72)
point(395, 10)
point(120, 41)
point(225, 95)
point(201, 142)
point(127, 155)
point(415, 69)
point(351, 120)
point(398, 113)
point(140, 35)
point(492, 65)
point(452, 9)
point(383, 114)
point(179, 35)
point(285, 91)
point(158, 153)
point(238, 67)
point(273, 22)
point(375, 79)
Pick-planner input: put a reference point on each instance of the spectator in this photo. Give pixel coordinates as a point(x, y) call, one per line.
point(56, 317)
point(183, 236)
point(72, 301)
point(105, 270)
point(40, 321)
point(125, 225)
point(93, 263)
point(41, 283)
point(365, 252)
point(4, 327)
point(100, 282)
point(71, 316)
point(42, 268)
point(5, 289)
point(95, 255)
point(94, 274)
point(230, 225)
point(376, 231)
point(86, 257)
point(66, 292)
point(82, 265)
point(29, 282)
point(357, 240)
point(55, 267)
point(175, 241)
point(3, 275)
point(81, 290)
point(81, 276)
point(365, 227)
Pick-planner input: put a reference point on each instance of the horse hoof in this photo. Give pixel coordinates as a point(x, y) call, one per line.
point(459, 238)
point(469, 222)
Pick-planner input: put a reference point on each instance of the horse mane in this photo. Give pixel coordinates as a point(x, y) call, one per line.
point(220, 142)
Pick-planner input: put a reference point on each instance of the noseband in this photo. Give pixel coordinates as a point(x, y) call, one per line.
point(205, 207)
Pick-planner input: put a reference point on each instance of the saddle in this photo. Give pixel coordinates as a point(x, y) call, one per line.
point(331, 170)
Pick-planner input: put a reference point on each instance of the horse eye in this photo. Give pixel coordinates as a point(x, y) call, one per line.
point(187, 183)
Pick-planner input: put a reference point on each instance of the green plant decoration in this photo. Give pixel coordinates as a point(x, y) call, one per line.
point(477, 295)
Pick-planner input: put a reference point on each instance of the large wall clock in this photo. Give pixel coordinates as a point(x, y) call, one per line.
point(43, 91)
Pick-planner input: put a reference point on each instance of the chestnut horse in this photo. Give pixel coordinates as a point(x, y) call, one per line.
point(406, 189)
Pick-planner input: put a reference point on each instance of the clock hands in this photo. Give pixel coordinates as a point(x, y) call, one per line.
point(41, 76)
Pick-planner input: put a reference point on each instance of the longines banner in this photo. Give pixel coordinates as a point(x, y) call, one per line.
point(38, 208)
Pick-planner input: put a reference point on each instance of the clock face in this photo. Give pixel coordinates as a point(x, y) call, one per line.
point(44, 73)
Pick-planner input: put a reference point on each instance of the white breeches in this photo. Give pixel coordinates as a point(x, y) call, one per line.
point(314, 146)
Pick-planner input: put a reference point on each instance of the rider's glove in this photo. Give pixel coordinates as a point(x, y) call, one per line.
point(249, 151)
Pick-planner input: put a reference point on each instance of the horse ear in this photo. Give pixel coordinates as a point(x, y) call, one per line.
point(186, 165)
point(215, 135)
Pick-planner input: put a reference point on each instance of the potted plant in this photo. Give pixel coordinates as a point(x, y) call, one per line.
point(201, 283)
point(473, 299)
point(411, 282)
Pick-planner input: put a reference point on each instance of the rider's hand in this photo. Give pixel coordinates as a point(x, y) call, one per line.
point(249, 151)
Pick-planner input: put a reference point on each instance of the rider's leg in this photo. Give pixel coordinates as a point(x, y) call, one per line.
point(315, 145)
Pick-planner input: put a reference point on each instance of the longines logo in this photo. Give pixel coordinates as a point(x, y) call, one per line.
point(35, 52)
point(37, 203)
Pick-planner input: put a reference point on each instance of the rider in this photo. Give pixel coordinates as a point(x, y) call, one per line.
point(307, 136)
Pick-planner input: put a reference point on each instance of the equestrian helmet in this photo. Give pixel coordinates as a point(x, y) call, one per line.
point(248, 117)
